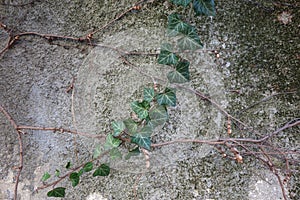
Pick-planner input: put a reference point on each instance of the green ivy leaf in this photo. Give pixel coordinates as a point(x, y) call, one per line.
point(141, 140)
point(148, 94)
point(118, 128)
point(57, 192)
point(111, 142)
point(115, 153)
point(131, 126)
point(190, 40)
point(204, 7)
point(97, 151)
point(103, 170)
point(74, 177)
point(46, 176)
point(176, 25)
point(88, 167)
point(158, 116)
point(184, 3)
point(135, 152)
point(166, 56)
point(141, 108)
point(80, 172)
point(181, 75)
point(168, 97)
point(57, 172)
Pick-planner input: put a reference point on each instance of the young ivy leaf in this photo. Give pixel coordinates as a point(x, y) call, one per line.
point(46, 176)
point(190, 40)
point(204, 7)
point(141, 108)
point(148, 94)
point(118, 128)
point(111, 142)
point(115, 153)
point(184, 3)
point(74, 177)
point(166, 56)
point(88, 167)
point(176, 25)
point(57, 192)
point(181, 75)
point(97, 151)
point(57, 172)
point(158, 116)
point(131, 126)
point(168, 97)
point(103, 170)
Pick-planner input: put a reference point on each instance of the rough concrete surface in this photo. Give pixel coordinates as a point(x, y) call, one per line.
point(256, 55)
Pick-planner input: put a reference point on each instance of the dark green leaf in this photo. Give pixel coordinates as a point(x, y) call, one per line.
point(166, 56)
point(141, 108)
point(97, 151)
point(115, 153)
point(190, 40)
point(176, 25)
point(46, 176)
point(80, 172)
point(181, 75)
point(148, 94)
point(57, 192)
point(68, 165)
point(158, 116)
point(88, 167)
point(118, 128)
point(142, 140)
point(168, 97)
point(111, 142)
point(74, 177)
point(182, 2)
point(204, 7)
point(131, 126)
point(103, 170)
point(135, 152)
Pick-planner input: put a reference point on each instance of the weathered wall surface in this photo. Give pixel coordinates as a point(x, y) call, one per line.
point(258, 57)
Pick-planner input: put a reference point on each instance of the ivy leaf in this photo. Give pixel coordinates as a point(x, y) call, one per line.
point(135, 152)
point(168, 97)
point(46, 176)
point(182, 2)
point(204, 7)
point(158, 116)
point(57, 172)
point(80, 172)
point(97, 151)
point(88, 167)
point(111, 142)
point(181, 75)
point(57, 192)
point(190, 40)
point(141, 140)
point(115, 153)
point(103, 170)
point(141, 108)
point(166, 56)
point(74, 177)
point(148, 94)
point(176, 25)
point(118, 128)
point(131, 126)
